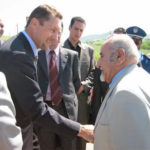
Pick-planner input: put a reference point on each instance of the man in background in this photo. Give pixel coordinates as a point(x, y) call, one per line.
point(137, 34)
point(97, 94)
point(123, 121)
point(87, 64)
point(67, 76)
point(120, 30)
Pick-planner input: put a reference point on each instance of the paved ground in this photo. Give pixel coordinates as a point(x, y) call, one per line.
point(89, 146)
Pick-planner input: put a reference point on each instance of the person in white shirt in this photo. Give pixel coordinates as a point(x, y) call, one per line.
point(10, 133)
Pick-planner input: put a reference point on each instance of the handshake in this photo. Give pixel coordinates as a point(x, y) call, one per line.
point(87, 133)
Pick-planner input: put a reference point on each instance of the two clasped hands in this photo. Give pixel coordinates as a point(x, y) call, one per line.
point(87, 133)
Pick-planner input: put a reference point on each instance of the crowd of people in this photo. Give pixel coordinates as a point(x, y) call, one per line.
point(59, 96)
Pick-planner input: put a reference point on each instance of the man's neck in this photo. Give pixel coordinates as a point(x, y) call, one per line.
point(74, 43)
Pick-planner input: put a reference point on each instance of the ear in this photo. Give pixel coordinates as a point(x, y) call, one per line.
point(34, 21)
point(121, 56)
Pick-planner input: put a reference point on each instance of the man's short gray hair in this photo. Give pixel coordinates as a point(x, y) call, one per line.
point(124, 41)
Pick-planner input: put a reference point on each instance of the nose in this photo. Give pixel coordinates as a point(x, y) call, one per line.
point(79, 32)
point(56, 35)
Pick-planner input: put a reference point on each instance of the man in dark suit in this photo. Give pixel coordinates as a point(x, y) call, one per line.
point(87, 64)
point(69, 81)
point(98, 93)
point(18, 62)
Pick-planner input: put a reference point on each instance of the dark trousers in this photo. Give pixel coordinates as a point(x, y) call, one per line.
point(49, 140)
point(83, 118)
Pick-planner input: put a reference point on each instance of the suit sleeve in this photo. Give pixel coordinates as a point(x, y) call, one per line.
point(22, 79)
point(88, 82)
point(129, 122)
point(76, 72)
point(10, 134)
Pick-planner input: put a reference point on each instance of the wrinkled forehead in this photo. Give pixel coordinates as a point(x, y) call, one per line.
point(106, 47)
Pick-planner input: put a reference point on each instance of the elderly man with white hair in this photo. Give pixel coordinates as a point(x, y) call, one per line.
point(123, 121)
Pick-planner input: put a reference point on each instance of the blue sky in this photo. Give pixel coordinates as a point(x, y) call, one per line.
point(101, 15)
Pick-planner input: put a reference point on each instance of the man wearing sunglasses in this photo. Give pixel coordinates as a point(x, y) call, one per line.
point(137, 34)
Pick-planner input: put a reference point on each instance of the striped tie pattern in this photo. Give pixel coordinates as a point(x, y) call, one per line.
point(56, 95)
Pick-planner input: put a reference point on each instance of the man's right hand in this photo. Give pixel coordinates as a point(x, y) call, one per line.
point(86, 132)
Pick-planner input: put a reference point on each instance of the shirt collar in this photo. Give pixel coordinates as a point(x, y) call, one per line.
point(72, 47)
point(32, 44)
point(118, 75)
point(56, 51)
point(141, 56)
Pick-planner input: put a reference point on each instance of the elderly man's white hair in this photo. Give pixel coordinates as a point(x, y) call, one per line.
point(117, 41)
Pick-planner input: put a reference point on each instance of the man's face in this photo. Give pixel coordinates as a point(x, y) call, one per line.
point(107, 63)
point(1, 28)
point(48, 35)
point(76, 31)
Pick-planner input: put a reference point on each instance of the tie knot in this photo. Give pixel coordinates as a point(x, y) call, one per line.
point(51, 52)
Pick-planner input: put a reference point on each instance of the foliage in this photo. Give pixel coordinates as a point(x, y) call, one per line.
point(146, 45)
point(6, 37)
point(96, 44)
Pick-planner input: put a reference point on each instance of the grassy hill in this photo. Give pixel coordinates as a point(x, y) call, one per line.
point(93, 37)
point(6, 37)
point(96, 44)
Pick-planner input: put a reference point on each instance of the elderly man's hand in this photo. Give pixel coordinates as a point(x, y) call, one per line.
point(86, 132)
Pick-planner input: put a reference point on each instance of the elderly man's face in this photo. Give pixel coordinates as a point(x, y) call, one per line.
point(107, 63)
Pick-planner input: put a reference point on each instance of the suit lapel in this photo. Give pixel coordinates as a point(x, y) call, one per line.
point(42, 62)
point(110, 92)
point(103, 105)
point(63, 60)
point(81, 55)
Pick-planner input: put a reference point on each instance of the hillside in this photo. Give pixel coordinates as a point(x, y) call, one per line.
point(95, 37)
point(103, 36)
point(97, 40)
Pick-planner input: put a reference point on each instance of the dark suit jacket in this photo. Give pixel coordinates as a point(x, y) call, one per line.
point(87, 63)
point(99, 92)
point(86, 66)
point(18, 63)
point(69, 78)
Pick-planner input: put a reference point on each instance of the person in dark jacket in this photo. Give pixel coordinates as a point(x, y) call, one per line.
point(18, 59)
